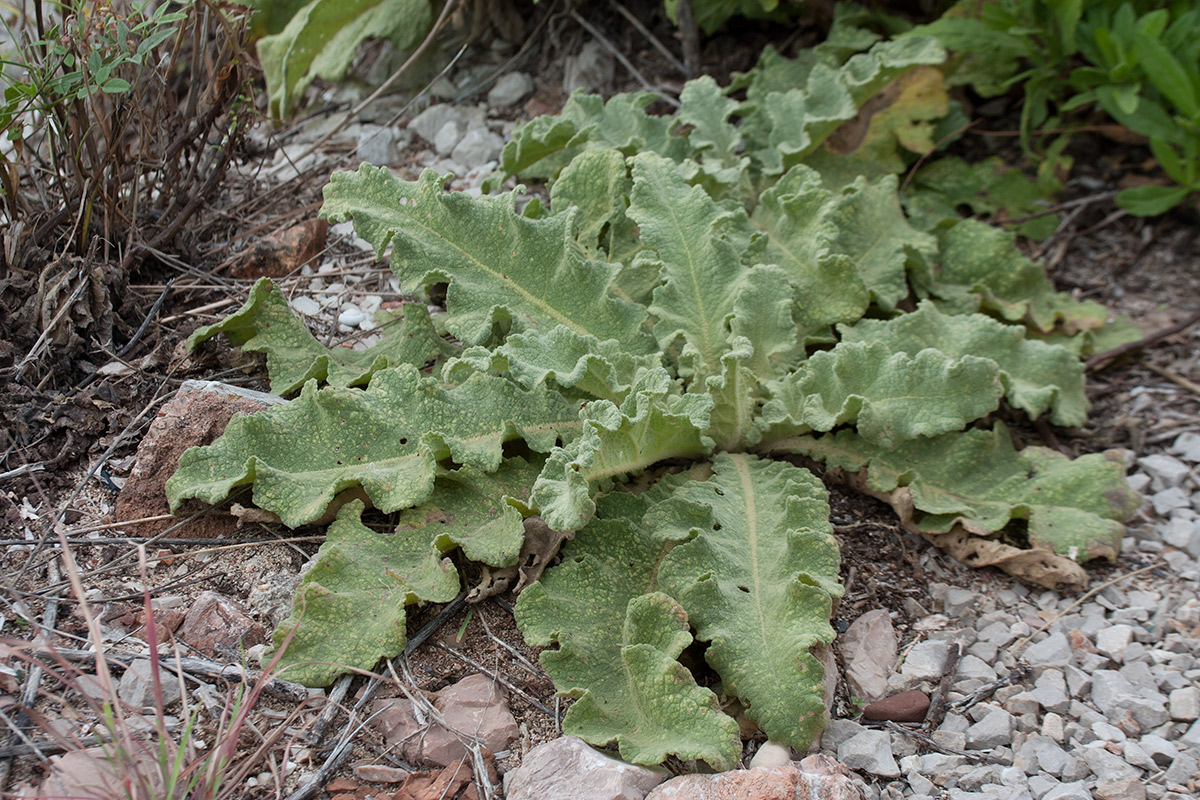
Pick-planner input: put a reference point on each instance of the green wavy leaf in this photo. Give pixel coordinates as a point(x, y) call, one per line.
point(653, 424)
point(503, 269)
point(349, 609)
point(322, 39)
point(265, 323)
point(757, 582)
point(1037, 377)
point(890, 397)
point(985, 261)
point(618, 641)
point(387, 439)
point(977, 479)
point(797, 216)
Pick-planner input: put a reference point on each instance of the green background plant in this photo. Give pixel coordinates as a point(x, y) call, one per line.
point(1137, 61)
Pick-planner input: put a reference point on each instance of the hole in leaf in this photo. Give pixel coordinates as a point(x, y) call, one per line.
point(716, 526)
point(744, 589)
point(403, 440)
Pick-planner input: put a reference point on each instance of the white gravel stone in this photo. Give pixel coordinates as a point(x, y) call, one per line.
point(1187, 447)
point(1040, 785)
point(1184, 704)
point(1053, 651)
point(1107, 766)
point(306, 306)
point(994, 730)
point(1167, 500)
point(351, 316)
point(869, 751)
point(1113, 641)
point(1164, 471)
point(447, 138)
point(476, 147)
point(1159, 749)
point(430, 122)
point(1068, 791)
point(1108, 732)
point(1136, 756)
point(509, 89)
point(377, 145)
point(926, 660)
point(1138, 481)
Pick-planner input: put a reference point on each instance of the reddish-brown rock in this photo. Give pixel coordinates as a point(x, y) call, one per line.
point(907, 706)
point(869, 650)
point(280, 253)
point(219, 627)
point(196, 415)
point(817, 777)
point(475, 706)
point(567, 768)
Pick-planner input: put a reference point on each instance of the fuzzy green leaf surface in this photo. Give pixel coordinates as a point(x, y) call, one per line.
point(977, 479)
point(653, 424)
point(890, 397)
point(874, 233)
point(541, 148)
point(798, 120)
point(618, 639)
point(476, 511)
point(1037, 377)
point(387, 439)
point(503, 269)
point(350, 607)
point(796, 214)
point(758, 583)
point(700, 266)
point(265, 323)
point(985, 262)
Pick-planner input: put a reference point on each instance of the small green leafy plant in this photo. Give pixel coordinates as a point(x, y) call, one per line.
point(705, 297)
point(307, 39)
point(1137, 61)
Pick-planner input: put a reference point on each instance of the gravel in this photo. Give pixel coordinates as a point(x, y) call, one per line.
point(1110, 707)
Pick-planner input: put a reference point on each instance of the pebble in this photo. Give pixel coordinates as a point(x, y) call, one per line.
point(993, 730)
point(447, 138)
point(926, 660)
point(306, 305)
point(1187, 447)
point(1114, 641)
point(509, 89)
point(351, 316)
point(1164, 471)
point(869, 751)
point(907, 706)
point(1184, 704)
point(478, 146)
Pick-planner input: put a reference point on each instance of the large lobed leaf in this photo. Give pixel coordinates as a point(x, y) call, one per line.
point(265, 323)
point(757, 582)
point(978, 480)
point(349, 608)
point(985, 262)
point(654, 423)
point(503, 269)
point(387, 439)
point(890, 397)
point(618, 640)
point(322, 39)
point(1037, 377)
